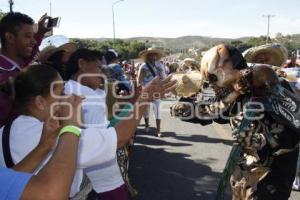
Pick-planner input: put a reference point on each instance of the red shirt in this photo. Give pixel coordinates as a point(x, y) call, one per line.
point(10, 69)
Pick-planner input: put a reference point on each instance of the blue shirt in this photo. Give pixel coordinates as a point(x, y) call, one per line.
point(119, 74)
point(158, 71)
point(12, 183)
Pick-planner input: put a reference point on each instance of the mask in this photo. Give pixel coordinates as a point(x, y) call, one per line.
point(221, 67)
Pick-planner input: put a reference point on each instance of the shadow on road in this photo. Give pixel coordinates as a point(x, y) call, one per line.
point(192, 138)
point(159, 142)
point(197, 138)
point(161, 175)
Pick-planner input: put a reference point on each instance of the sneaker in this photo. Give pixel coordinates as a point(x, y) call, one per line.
point(146, 129)
point(296, 184)
point(296, 188)
point(159, 134)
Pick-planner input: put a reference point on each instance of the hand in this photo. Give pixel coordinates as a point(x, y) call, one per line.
point(249, 138)
point(282, 74)
point(50, 132)
point(157, 89)
point(181, 109)
point(135, 96)
point(70, 110)
point(42, 28)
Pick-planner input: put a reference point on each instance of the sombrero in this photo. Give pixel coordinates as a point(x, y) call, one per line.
point(50, 50)
point(190, 61)
point(159, 52)
point(277, 53)
point(187, 83)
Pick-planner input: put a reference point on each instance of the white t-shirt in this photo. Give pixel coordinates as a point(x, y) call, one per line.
point(107, 176)
point(158, 70)
point(96, 146)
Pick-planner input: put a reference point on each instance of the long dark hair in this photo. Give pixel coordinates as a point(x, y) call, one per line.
point(55, 61)
point(33, 82)
point(86, 54)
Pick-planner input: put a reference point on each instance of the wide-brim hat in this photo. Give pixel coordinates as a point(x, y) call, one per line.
point(188, 83)
point(160, 53)
point(191, 61)
point(277, 53)
point(50, 50)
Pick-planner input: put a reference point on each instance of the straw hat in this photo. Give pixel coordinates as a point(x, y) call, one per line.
point(50, 50)
point(187, 83)
point(159, 52)
point(276, 52)
point(190, 61)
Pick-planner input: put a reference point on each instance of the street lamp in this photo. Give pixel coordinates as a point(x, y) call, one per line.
point(113, 15)
point(268, 33)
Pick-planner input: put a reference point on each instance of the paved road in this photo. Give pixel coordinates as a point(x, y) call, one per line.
point(185, 164)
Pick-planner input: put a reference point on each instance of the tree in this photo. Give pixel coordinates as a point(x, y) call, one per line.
point(1, 14)
point(127, 49)
point(257, 41)
point(291, 42)
point(240, 45)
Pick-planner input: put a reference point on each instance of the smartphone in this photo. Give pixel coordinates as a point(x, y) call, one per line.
point(53, 22)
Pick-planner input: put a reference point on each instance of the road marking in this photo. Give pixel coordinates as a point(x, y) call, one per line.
point(224, 134)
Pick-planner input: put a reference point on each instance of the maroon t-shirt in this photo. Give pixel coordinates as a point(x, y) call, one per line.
point(10, 69)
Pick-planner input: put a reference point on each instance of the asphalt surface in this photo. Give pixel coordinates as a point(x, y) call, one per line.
point(185, 164)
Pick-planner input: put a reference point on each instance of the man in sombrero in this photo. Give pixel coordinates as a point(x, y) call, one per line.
point(151, 68)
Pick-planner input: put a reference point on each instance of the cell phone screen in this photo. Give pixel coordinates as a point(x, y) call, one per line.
point(53, 22)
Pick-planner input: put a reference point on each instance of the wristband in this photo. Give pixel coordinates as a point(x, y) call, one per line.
point(70, 129)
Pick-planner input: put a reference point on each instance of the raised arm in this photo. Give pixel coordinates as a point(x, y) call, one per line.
point(126, 128)
point(55, 179)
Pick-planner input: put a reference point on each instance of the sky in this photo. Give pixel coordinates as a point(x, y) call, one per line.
point(166, 18)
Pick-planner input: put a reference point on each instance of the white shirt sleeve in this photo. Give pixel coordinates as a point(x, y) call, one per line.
point(97, 146)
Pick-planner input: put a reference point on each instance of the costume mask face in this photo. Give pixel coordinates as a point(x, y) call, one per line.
point(218, 67)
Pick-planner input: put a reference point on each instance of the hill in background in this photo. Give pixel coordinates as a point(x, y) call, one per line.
point(186, 45)
point(185, 42)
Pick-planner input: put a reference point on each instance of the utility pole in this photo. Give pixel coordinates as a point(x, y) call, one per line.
point(11, 3)
point(50, 8)
point(268, 31)
point(50, 14)
point(113, 16)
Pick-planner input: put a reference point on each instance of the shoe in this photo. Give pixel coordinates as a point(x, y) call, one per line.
point(296, 184)
point(146, 129)
point(159, 134)
point(296, 188)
